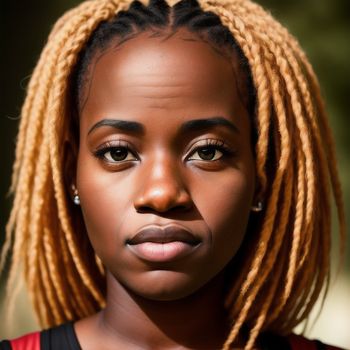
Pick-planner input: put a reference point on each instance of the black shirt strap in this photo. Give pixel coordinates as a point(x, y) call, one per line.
point(5, 345)
point(60, 337)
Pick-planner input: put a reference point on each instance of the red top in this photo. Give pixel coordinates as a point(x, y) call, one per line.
point(29, 341)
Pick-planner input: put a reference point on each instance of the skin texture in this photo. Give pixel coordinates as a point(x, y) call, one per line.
point(163, 85)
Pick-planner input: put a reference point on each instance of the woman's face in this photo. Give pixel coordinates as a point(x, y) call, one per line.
point(165, 168)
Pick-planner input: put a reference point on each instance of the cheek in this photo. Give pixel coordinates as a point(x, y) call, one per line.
point(103, 201)
point(225, 206)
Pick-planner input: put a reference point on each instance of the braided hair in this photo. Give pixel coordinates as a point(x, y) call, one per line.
point(156, 17)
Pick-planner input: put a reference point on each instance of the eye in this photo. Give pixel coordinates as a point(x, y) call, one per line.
point(118, 154)
point(210, 150)
point(206, 153)
point(115, 153)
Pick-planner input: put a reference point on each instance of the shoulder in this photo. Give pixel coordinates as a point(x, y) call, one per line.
point(55, 338)
point(271, 341)
point(298, 342)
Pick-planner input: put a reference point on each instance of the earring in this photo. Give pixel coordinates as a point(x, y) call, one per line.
point(258, 207)
point(76, 198)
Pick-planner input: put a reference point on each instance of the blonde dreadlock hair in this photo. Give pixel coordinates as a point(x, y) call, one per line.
point(295, 162)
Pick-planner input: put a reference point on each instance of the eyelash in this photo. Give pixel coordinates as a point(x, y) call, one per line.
point(111, 146)
point(214, 144)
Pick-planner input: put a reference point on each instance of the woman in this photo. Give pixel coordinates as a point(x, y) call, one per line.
point(172, 180)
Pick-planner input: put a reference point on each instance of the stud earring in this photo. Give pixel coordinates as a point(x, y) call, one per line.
point(258, 207)
point(76, 198)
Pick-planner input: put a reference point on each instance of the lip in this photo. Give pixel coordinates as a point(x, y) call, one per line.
point(163, 243)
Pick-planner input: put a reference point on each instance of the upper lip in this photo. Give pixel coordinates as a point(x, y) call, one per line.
point(166, 234)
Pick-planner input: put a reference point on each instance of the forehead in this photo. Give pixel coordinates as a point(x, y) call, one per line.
point(175, 55)
point(180, 58)
point(174, 71)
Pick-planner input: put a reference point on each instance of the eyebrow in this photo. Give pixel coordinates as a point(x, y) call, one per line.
point(200, 124)
point(189, 126)
point(123, 125)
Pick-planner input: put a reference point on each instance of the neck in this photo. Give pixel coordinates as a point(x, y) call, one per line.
point(197, 321)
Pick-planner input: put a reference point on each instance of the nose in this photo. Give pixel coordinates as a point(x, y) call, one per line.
point(162, 189)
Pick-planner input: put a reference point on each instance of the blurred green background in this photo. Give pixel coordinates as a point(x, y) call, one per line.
point(321, 26)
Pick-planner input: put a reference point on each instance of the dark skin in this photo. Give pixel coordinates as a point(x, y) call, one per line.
point(184, 161)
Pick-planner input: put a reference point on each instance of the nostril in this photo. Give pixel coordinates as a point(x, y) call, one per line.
point(148, 209)
point(144, 210)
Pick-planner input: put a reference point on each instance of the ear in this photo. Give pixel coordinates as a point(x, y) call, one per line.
point(258, 198)
point(70, 157)
point(258, 195)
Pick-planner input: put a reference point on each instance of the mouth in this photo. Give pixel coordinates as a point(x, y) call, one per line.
point(163, 244)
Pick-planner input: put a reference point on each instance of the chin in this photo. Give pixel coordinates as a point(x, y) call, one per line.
point(164, 285)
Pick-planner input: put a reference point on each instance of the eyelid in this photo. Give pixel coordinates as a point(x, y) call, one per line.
point(112, 143)
point(101, 150)
point(214, 143)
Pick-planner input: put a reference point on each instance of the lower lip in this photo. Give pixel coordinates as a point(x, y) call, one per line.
point(162, 252)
